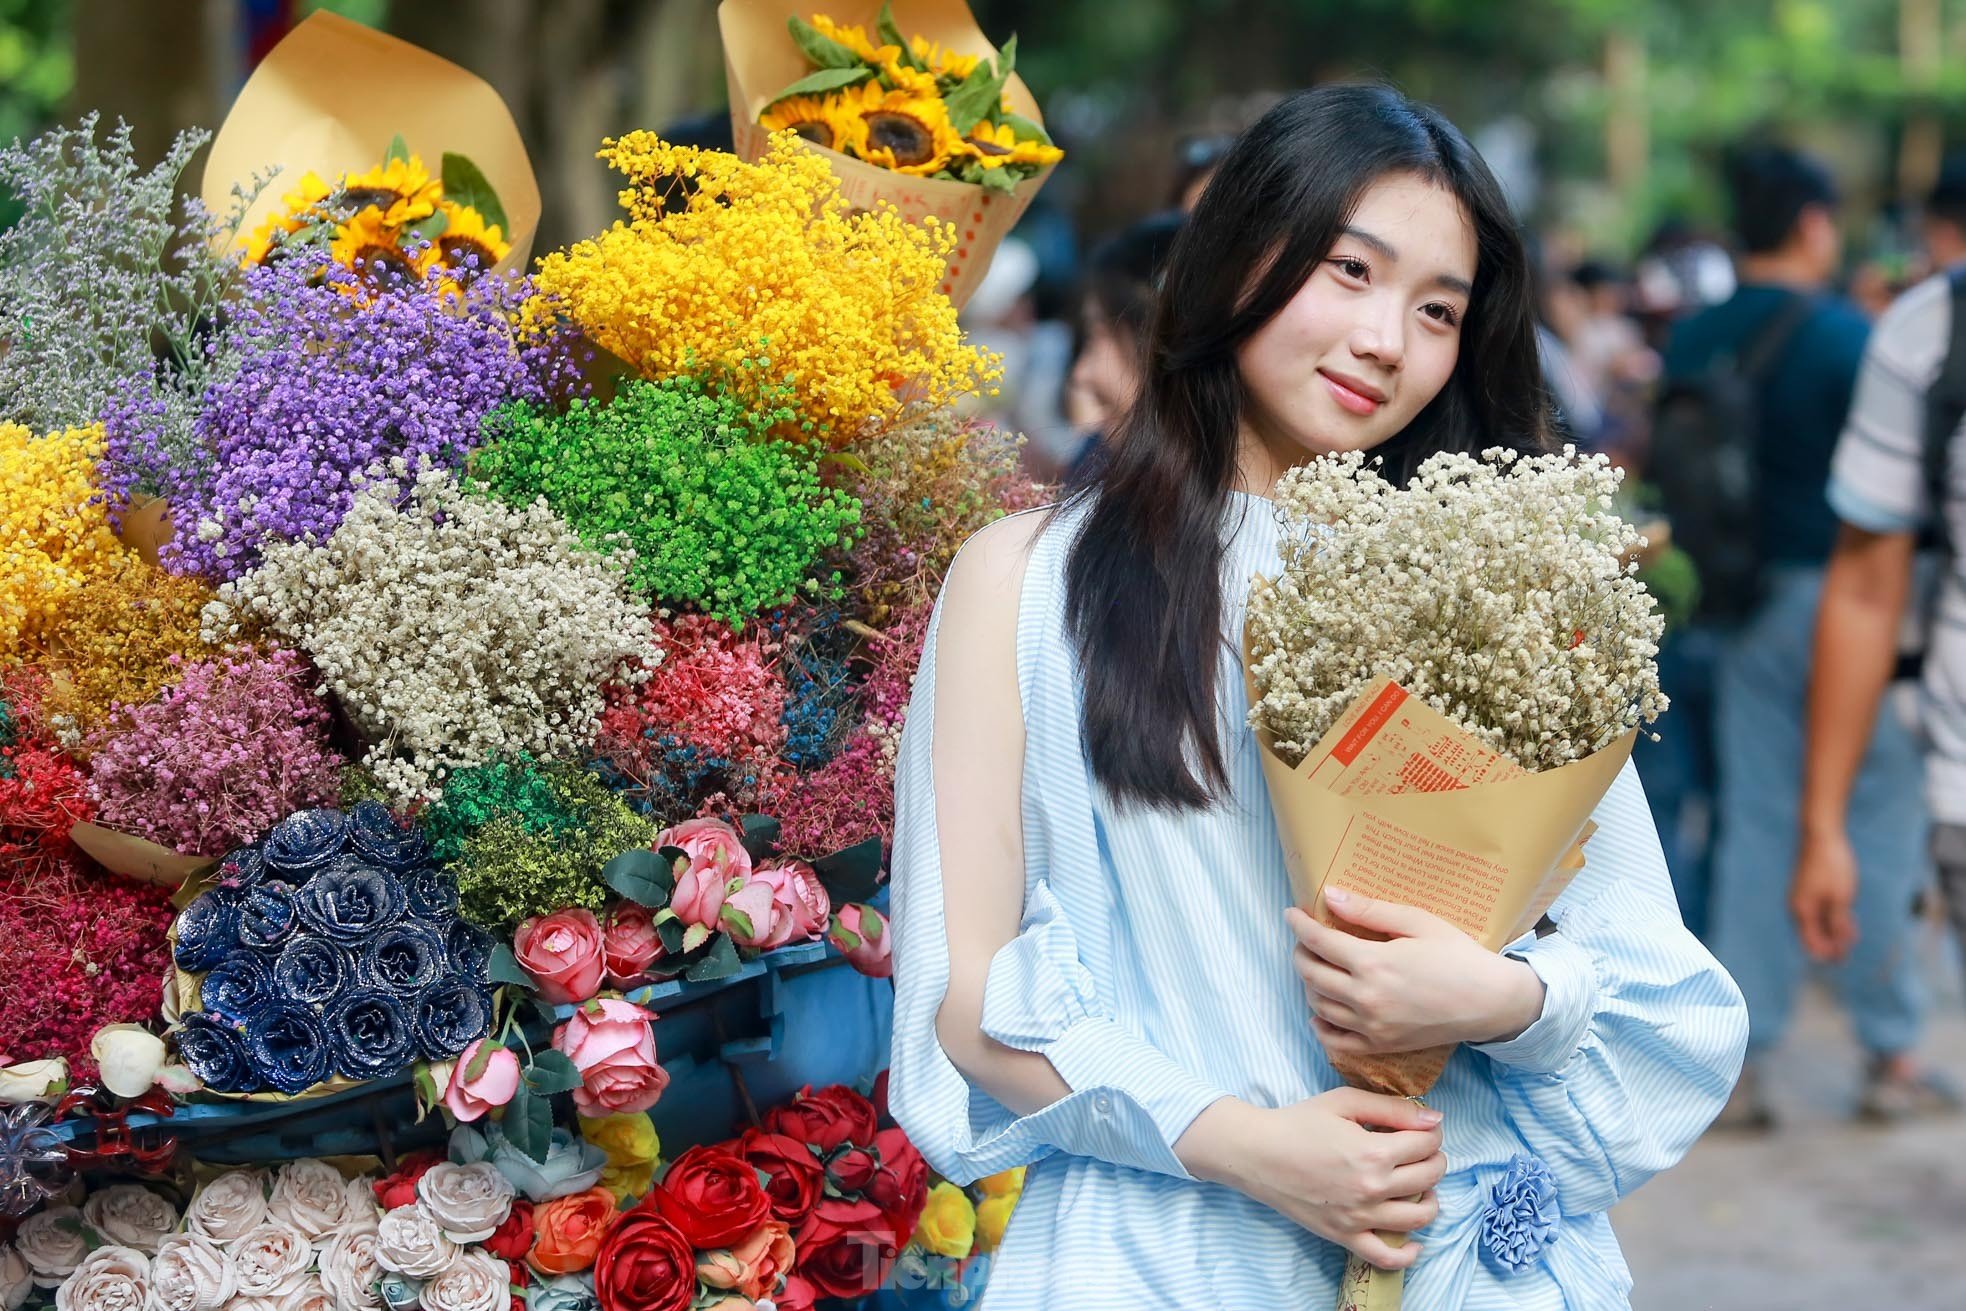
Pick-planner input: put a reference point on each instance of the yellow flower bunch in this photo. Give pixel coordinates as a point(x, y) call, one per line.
point(633, 1149)
point(51, 528)
point(908, 105)
point(948, 1223)
point(393, 223)
point(721, 262)
point(1000, 1194)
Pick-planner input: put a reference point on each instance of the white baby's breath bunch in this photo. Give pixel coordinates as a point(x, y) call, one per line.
point(453, 628)
point(1498, 590)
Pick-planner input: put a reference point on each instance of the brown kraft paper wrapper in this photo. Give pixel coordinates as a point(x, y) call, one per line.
point(137, 858)
point(760, 60)
point(333, 94)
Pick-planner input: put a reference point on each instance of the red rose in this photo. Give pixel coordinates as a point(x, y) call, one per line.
point(852, 1265)
point(513, 1239)
point(880, 1098)
point(826, 1118)
point(839, 1217)
point(712, 1197)
point(794, 1180)
point(797, 1295)
point(900, 1186)
point(399, 1189)
point(645, 1265)
point(852, 1168)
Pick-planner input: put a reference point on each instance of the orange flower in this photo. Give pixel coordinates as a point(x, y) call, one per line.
point(568, 1231)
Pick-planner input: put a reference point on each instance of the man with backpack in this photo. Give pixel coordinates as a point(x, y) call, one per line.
point(1898, 485)
point(1755, 394)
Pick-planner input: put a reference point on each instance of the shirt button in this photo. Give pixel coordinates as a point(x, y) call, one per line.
point(1103, 1104)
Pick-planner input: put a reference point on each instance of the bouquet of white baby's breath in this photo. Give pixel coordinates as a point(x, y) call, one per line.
point(1501, 591)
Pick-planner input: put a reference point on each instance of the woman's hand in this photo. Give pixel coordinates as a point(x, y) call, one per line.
point(1345, 1165)
point(1427, 985)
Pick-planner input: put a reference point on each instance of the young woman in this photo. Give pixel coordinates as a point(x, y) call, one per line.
point(1095, 971)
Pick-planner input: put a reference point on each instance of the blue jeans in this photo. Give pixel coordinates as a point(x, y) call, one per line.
point(1679, 771)
point(1760, 693)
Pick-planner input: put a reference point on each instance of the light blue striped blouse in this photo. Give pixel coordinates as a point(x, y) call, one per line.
point(1153, 971)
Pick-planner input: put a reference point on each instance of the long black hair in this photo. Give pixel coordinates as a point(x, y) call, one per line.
point(1143, 580)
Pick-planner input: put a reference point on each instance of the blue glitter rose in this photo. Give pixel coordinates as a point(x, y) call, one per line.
point(241, 869)
point(304, 844)
point(215, 1053)
point(237, 988)
point(1522, 1217)
point(312, 970)
point(267, 914)
point(470, 949)
point(374, 834)
point(450, 1015)
point(207, 929)
point(288, 1047)
point(432, 894)
point(350, 902)
point(403, 960)
point(372, 1036)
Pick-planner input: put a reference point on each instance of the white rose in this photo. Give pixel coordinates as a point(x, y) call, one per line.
point(190, 1274)
point(363, 1213)
point(311, 1196)
point(227, 1207)
point(271, 1259)
point(469, 1201)
point(130, 1215)
point(254, 1304)
point(16, 1279)
point(410, 1242)
point(110, 1279)
point(32, 1080)
point(476, 1281)
point(129, 1057)
point(309, 1295)
point(349, 1268)
point(51, 1243)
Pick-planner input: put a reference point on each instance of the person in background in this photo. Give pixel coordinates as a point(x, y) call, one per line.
point(1194, 164)
point(1884, 493)
point(1784, 207)
point(1608, 349)
point(1002, 317)
point(1122, 277)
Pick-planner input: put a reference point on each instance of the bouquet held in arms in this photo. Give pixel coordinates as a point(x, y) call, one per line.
point(1445, 679)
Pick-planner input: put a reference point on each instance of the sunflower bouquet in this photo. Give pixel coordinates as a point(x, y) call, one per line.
point(395, 222)
point(910, 104)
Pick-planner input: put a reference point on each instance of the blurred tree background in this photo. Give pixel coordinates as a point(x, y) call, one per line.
point(1603, 116)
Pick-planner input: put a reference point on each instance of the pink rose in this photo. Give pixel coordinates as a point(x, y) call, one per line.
point(562, 952)
point(716, 855)
point(470, 1098)
point(861, 934)
point(802, 901)
point(751, 914)
point(630, 944)
point(611, 1044)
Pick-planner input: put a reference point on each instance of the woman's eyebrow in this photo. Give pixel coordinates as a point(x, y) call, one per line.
point(1446, 281)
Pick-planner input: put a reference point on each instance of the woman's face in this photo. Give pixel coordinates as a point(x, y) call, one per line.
point(1371, 336)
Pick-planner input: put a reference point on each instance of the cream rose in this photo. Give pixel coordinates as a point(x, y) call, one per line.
point(349, 1268)
point(227, 1207)
point(189, 1273)
point(411, 1242)
point(470, 1202)
point(311, 1196)
point(129, 1057)
point(363, 1213)
point(32, 1080)
point(109, 1279)
point(130, 1215)
point(271, 1259)
point(51, 1243)
point(16, 1279)
point(309, 1295)
point(476, 1281)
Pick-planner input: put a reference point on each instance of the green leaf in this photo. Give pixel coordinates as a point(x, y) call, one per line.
point(695, 936)
point(843, 937)
point(551, 1072)
point(720, 962)
point(890, 34)
point(760, 836)
point(428, 1094)
point(432, 227)
point(870, 923)
point(1025, 129)
point(642, 877)
point(504, 967)
point(851, 874)
point(737, 921)
point(822, 50)
point(1004, 180)
point(826, 79)
point(465, 185)
point(528, 1123)
point(672, 932)
point(971, 102)
point(398, 149)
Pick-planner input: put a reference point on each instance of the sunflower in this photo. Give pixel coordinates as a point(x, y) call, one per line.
point(940, 62)
point(402, 190)
point(898, 131)
point(855, 39)
point(812, 117)
point(898, 76)
point(299, 208)
point(468, 244)
point(366, 244)
point(996, 145)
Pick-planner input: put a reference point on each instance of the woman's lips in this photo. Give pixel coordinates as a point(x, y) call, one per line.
point(1355, 401)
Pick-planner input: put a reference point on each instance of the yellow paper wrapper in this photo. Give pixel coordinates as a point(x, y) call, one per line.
point(137, 858)
point(1399, 803)
point(761, 60)
point(333, 94)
